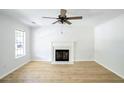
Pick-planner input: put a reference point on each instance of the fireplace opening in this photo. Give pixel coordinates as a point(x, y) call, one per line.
point(62, 55)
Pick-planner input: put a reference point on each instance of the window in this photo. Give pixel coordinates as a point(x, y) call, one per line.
point(19, 43)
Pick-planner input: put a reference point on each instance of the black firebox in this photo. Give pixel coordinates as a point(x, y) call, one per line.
point(62, 55)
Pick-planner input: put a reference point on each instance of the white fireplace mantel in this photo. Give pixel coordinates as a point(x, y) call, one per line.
point(63, 45)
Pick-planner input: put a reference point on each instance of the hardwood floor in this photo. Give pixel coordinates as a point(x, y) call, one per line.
point(38, 72)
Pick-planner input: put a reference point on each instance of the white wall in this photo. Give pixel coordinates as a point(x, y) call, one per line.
point(83, 36)
point(109, 45)
point(7, 45)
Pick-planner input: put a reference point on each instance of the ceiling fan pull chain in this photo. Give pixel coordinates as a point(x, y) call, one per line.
point(61, 30)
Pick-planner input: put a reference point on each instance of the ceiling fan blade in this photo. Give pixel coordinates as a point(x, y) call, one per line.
point(56, 22)
point(74, 18)
point(63, 12)
point(68, 22)
point(50, 17)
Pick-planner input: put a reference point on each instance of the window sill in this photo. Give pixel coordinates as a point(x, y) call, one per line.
point(20, 56)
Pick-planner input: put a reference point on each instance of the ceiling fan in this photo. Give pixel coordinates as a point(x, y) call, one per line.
point(62, 18)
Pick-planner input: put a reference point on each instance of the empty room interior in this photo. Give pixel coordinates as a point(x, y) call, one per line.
point(62, 46)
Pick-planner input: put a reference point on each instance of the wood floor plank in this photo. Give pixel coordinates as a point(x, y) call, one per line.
point(80, 72)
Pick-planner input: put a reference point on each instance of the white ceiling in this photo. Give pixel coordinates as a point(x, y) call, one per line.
point(90, 16)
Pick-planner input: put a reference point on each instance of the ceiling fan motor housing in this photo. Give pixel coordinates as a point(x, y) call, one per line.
point(62, 18)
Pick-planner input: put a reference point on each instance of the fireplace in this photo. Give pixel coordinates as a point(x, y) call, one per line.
point(62, 55)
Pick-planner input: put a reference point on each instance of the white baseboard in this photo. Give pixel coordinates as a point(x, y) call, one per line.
point(84, 60)
point(13, 70)
point(50, 60)
point(46, 60)
point(111, 70)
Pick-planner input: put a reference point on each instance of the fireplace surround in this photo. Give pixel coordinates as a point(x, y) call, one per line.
point(62, 52)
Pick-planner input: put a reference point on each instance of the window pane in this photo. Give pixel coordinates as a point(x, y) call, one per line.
point(19, 43)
